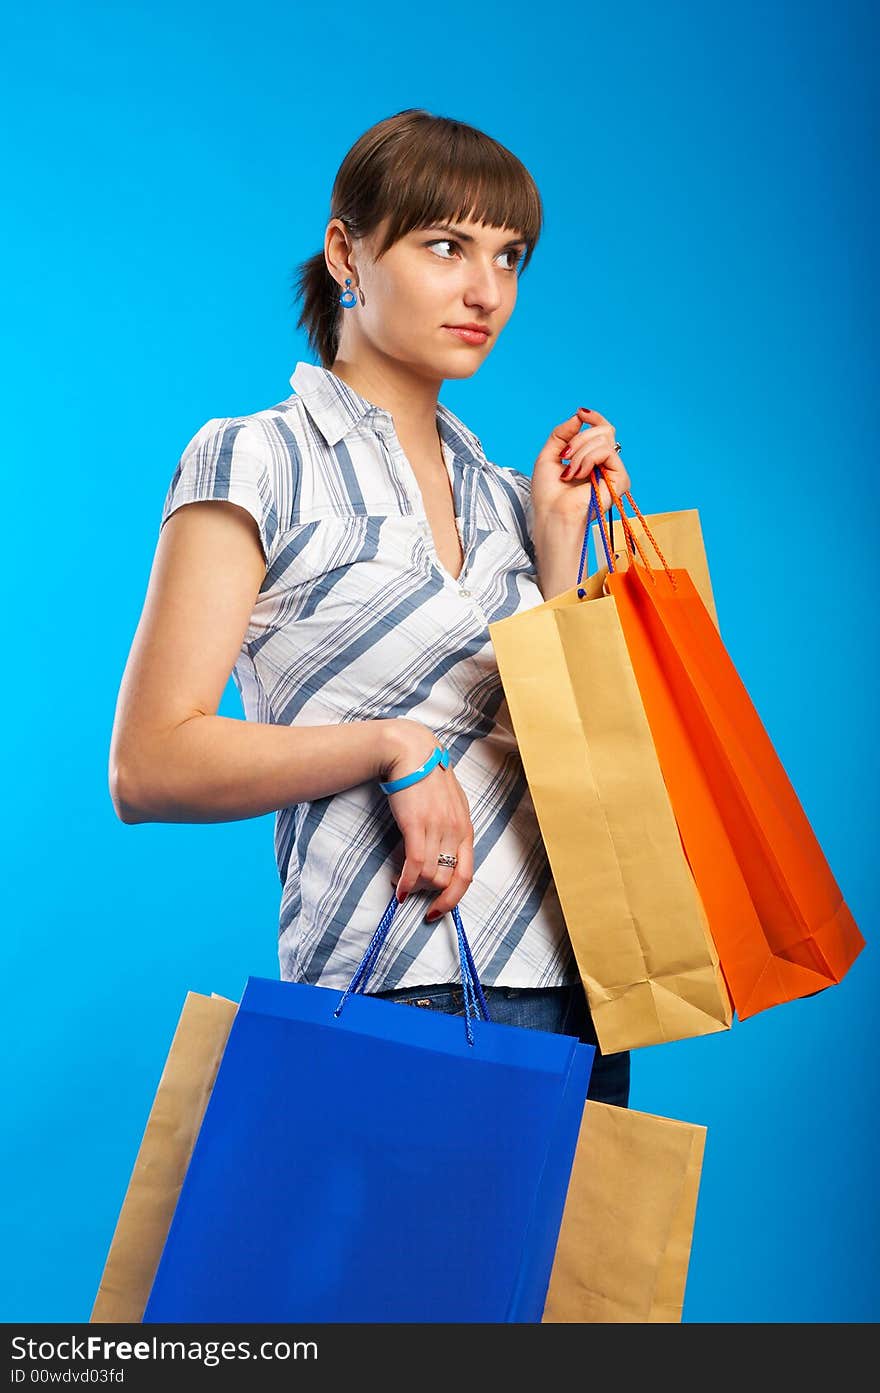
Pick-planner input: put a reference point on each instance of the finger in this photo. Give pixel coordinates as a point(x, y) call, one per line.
point(430, 869)
point(595, 438)
point(414, 844)
point(594, 418)
point(586, 475)
point(461, 879)
point(584, 462)
point(587, 458)
point(616, 475)
point(560, 437)
point(442, 875)
point(465, 868)
point(621, 487)
point(448, 847)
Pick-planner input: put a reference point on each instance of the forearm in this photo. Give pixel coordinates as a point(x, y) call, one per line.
point(558, 544)
point(220, 769)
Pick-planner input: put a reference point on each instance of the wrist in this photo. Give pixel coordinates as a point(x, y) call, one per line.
point(558, 538)
point(405, 744)
point(558, 522)
point(439, 756)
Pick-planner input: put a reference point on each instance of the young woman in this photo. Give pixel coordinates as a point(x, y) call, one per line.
point(362, 545)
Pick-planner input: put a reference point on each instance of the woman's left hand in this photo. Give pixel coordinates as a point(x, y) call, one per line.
point(566, 492)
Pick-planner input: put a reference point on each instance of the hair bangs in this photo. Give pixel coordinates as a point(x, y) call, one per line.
point(443, 176)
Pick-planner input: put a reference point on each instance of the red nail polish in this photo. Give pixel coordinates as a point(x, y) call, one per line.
point(429, 918)
point(401, 898)
point(588, 409)
point(566, 474)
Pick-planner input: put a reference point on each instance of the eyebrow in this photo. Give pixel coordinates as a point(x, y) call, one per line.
point(466, 236)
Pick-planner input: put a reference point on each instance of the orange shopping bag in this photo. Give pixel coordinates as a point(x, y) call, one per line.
point(775, 911)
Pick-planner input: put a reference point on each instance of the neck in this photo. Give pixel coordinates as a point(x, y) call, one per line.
point(409, 396)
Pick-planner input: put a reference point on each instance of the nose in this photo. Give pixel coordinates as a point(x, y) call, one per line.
point(482, 287)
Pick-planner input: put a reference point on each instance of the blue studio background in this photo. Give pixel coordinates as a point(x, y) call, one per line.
point(705, 279)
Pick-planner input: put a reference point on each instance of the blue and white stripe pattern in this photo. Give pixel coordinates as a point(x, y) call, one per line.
point(357, 619)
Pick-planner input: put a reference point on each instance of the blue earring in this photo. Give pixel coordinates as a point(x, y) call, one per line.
point(348, 299)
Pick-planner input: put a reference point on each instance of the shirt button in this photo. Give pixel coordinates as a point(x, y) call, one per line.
point(465, 594)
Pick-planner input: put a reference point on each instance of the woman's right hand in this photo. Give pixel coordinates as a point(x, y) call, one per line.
point(433, 815)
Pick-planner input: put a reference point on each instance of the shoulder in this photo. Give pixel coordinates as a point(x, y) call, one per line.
point(253, 459)
point(260, 451)
point(271, 437)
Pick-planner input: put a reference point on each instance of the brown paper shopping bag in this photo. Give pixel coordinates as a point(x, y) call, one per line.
point(649, 1238)
point(625, 1241)
point(170, 1135)
point(635, 919)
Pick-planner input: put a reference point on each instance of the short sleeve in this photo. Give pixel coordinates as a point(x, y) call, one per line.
point(225, 460)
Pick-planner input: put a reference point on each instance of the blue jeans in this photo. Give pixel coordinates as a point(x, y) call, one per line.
point(562, 1010)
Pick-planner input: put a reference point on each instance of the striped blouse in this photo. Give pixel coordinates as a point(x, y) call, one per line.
point(357, 619)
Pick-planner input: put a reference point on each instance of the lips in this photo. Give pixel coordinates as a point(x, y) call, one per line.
point(475, 336)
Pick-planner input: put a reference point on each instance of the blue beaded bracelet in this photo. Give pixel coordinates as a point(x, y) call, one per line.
point(440, 756)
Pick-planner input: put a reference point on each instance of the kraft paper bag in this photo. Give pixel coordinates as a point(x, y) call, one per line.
point(172, 1127)
point(642, 1224)
point(636, 921)
point(625, 1241)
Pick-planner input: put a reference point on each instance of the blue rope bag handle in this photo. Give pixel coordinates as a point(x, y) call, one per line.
point(474, 998)
point(593, 514)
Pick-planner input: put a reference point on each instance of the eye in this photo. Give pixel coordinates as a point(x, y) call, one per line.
point(450, 242)
point(444, 242)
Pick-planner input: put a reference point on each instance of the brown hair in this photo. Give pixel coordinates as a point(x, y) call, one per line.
point(416, 169)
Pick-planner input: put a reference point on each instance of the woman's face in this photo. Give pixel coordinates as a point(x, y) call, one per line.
point(448, 274)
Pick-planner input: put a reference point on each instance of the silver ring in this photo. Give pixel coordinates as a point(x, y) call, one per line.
point(447, 859)
point(618, 447)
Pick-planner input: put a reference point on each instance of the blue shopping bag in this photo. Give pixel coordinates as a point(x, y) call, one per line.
point(363, 1160)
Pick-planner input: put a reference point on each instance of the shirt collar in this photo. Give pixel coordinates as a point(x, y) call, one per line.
point(336, 408)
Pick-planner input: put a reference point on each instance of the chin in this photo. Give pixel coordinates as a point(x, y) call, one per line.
point(460, 370)
point(463, 362)
point(444, 365)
